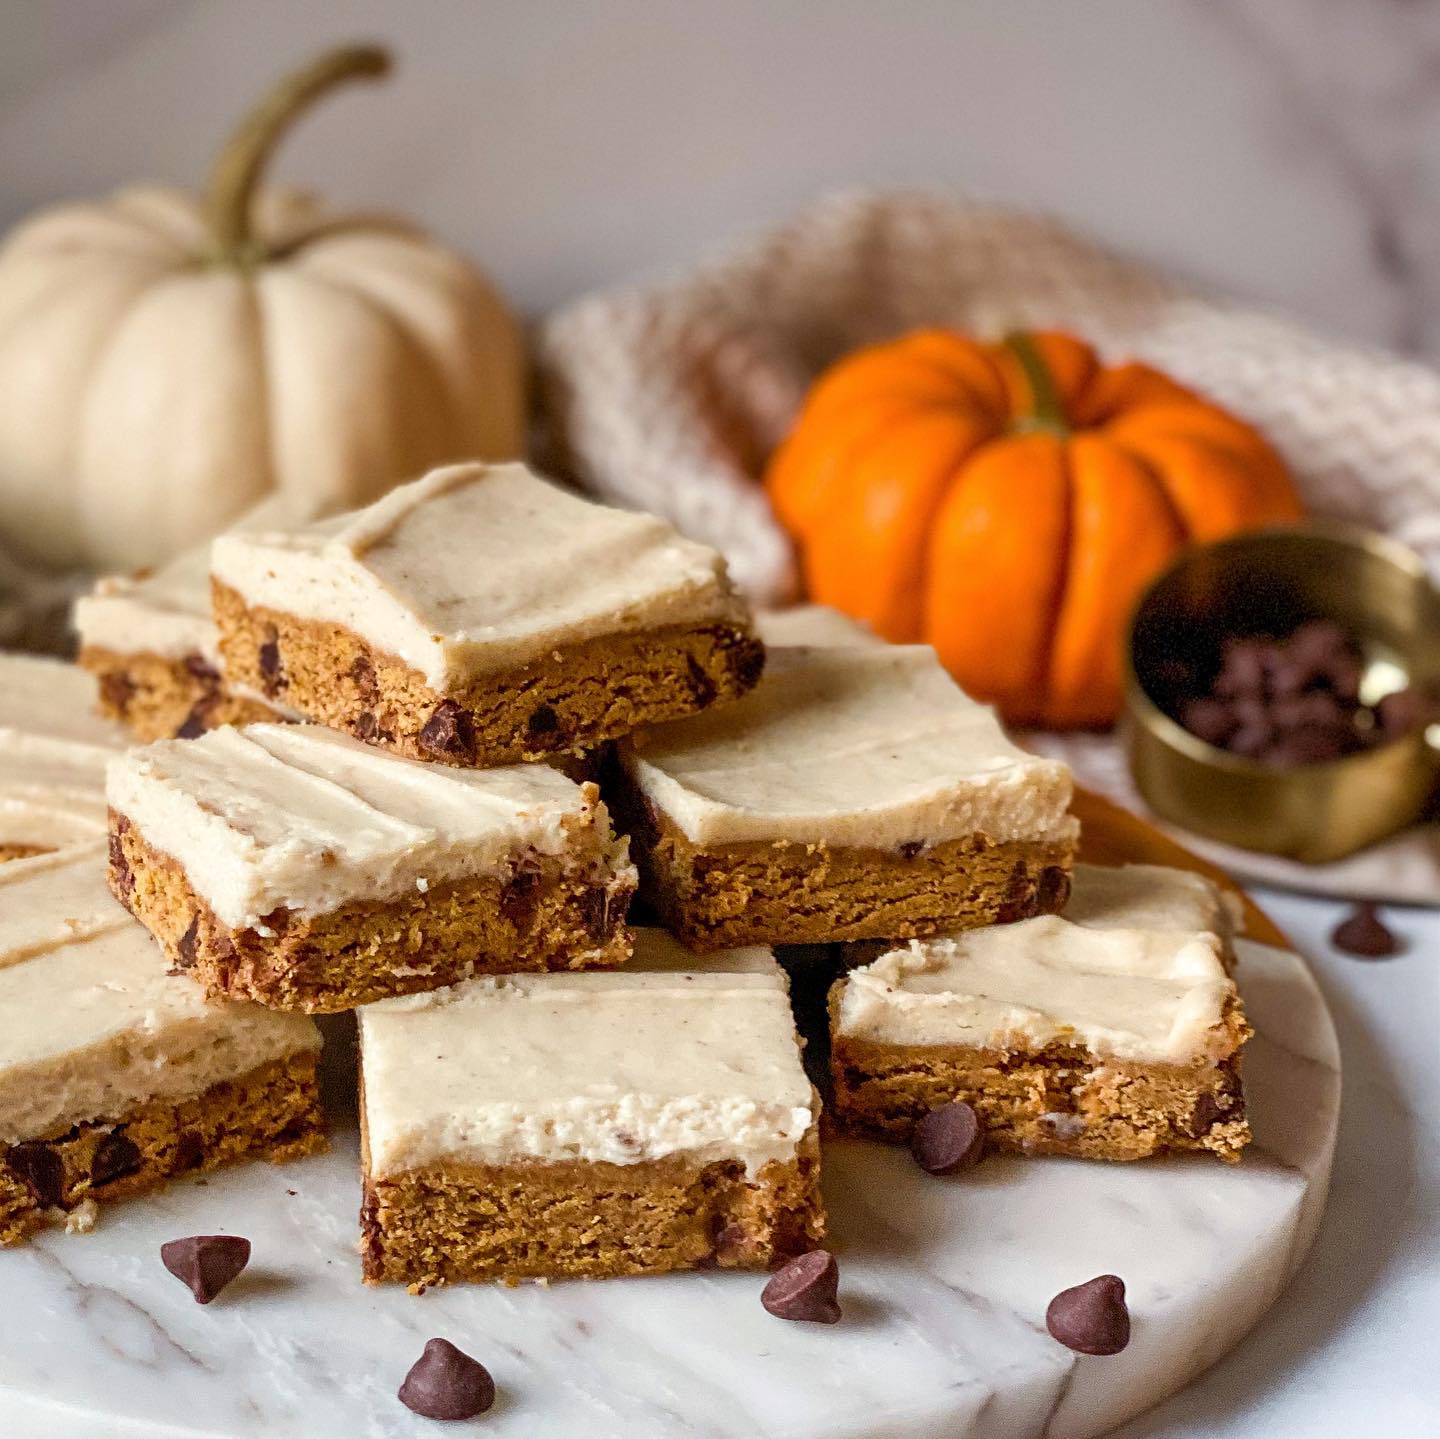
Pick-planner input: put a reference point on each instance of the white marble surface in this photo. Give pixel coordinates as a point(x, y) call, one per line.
point(944, 1287)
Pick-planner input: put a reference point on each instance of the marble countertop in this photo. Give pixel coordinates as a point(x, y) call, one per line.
point(1342, 1352)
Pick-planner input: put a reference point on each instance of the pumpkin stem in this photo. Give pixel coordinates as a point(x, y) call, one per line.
point(1046, 414)
point(237, 172)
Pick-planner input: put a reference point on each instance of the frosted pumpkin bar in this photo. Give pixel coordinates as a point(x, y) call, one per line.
point(856, 793)
point(114, 1075)
point(481, 616)
point(652, 1119)
point(53, 752)
point(1112, 1034)
point(298, 867)
point(150, 641)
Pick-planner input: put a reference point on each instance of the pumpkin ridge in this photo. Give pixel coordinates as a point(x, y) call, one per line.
point(414, 344)
point(1058, 597)
point(1157, 476)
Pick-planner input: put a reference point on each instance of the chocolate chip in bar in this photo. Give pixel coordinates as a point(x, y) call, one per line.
point(206, 1263)
point(41, 1169)
point(1092, 1317)
point(948, 1139)
point(115, 1157)
point(1364, 934)
point(805, 1289)
point(448, 733)
point(446, 1383)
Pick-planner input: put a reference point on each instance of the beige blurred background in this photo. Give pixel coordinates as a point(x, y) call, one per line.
point(567, 144)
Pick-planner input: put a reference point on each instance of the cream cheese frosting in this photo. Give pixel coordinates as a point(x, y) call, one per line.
point(166, 611)
point(477, 568)
point(863, 746)
point(1149, 896)
point(307, 818)
point(672, 1055)
point(94, 1025)
point(53, 752)
point(1127, 983)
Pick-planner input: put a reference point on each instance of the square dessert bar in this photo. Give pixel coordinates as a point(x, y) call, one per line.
point(480, 616)
point(653, 1119)
point(53, 752)
point(114, 1075)
point(295, 866)
point(150, 642)
point(856, 793)
point(1115, 1037)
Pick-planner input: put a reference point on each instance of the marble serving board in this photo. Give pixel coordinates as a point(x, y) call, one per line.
point(944, 1285)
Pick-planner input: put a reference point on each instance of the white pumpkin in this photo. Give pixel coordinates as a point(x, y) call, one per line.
point(166, 361)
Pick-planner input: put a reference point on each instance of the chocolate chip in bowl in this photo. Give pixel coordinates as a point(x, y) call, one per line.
point(1283, 691)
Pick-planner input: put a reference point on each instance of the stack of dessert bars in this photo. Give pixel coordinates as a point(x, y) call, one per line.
point(416, 760)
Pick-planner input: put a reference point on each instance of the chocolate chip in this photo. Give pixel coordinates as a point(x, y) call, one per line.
point(518, 898)
point(117, 689)
point(749, 663)
point(1363, 933)
point(41, 1169)
point(122, 878)
point(1054, 889)
point(446, 1383)
point(187, 944)
point(449, 734)
point(206, 1262)
point(701, 685)
point(911, 848)
point(1309, 744)
point(1091, 1318)
point(189, 1152)
point(1210, 719)
point(195, 723)
point(595, 907)
point(948, 1139)
point(366, 725)
point(271, 669)
point(115, 1156)
point(1202, 1118)
point(805, 1289)
point(730, 1241)
point(362, 672)
point(543, 720)
point(199, 668)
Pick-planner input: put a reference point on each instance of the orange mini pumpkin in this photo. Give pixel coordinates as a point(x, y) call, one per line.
point(1007, 502)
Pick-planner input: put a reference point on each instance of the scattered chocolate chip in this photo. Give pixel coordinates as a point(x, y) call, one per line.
point(1364, 934)
point(749, 664)
point(948, 1139)
point(701, 685)
point(519, 896)
point(366, 725)
point(805, 1289)
point(542, 721)
point(194, 723)
point(41, 1169)
point(449, 734)
point(206, 1263)
point(1054, 889)
point(730, 1241)
point(1091, 1318)
point(1212, 720)
point(446, 1383)
point(596, 907)
point(911, 848)
point(117, 689)
point(199, 668)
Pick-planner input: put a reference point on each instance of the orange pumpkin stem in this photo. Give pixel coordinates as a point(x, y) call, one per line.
point(237, 172)
point(1047, 414)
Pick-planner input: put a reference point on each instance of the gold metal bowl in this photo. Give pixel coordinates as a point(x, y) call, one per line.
point(1270, 581)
